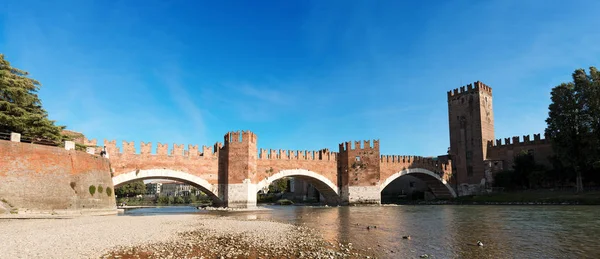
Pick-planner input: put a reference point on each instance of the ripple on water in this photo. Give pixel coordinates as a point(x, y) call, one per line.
point(449, 231)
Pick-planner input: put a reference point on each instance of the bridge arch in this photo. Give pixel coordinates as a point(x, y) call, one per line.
point(325, 186)
point(439, 186)
point(203, 185)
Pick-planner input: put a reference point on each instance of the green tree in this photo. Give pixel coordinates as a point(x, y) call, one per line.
point(279, 185)
point(20, 107)
point(179, 200)
point(574, 123)
point(131, 189)
point(162, 200)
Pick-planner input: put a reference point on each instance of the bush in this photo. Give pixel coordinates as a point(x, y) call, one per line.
point(100, 189)
point(284, 202)
point(162, 200)
point(92, 190)
point(108, 191)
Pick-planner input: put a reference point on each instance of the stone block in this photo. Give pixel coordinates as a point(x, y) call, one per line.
point(15, 137)
point(239, 195)
point(364, 194)
point(90, 150)
point(69, 145)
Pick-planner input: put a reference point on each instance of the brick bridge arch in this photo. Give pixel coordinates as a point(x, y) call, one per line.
point(203, 185)
point(325, 186)
point(439, 186)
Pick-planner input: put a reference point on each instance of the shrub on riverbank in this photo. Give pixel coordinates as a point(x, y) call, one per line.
point(284, 202)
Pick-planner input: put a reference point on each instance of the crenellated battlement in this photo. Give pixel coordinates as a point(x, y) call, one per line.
point(162, 149)
point(366, 145)
point(240, 137)
point(516, 141)
point(282, 154)
point(470, 88)
point(444, 169)
point(88, 142)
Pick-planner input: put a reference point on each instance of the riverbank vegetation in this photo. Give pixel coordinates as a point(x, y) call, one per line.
point(135, 194)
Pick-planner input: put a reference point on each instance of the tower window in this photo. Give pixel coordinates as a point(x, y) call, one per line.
point(357, 158)
point(469, 170)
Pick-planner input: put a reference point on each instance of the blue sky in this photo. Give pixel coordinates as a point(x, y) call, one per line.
point(301, 74)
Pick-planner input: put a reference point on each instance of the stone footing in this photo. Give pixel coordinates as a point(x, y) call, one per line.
point(238, 195)
point(364, 195)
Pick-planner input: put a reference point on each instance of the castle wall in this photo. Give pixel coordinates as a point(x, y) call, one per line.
point(45, 179)
point(506, 152)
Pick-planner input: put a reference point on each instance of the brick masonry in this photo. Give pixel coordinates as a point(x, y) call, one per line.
point(233, 172)
point(475, 155)
point(45, 179)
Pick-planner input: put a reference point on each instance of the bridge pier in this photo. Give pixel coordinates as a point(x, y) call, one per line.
point(364, 195)
point(239, 195)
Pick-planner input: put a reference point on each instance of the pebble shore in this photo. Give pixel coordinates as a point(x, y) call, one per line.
point(164, 236)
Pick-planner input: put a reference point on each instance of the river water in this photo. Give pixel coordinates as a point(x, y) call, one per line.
point(442, 231)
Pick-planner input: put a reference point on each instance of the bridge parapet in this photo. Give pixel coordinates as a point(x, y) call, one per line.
point(282, 154)
point(162, 150)
point(397, 163)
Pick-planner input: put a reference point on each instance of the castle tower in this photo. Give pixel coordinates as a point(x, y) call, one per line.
point(471, 122)
point(359, 172)
point(237, 169)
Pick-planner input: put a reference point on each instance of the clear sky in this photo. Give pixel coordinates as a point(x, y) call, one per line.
point(301, 74)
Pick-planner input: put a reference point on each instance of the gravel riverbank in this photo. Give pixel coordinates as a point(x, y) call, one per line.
point(163, 236)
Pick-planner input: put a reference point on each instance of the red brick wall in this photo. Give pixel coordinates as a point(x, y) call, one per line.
point(44, 178)
point(541, 148)
point(471, 124)
point(360, 164)
point(394, 164)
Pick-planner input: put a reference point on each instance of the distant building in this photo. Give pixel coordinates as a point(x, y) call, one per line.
point(153, 188)
point(175, 189)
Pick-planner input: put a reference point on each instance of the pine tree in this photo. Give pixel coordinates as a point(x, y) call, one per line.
point(20, 107)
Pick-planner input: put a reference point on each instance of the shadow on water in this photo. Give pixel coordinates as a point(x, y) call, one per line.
point(441, 231)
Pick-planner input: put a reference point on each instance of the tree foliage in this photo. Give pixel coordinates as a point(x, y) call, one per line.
point(20, 107)
point(131, 189)
point(525, 173)
point(574, 123)
point(279, 185)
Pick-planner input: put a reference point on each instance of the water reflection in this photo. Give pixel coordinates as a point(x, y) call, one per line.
point(448, 231)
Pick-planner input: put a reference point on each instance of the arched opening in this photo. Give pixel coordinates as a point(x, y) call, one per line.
point(167, 174)
point(325, 191)
point(415, 183)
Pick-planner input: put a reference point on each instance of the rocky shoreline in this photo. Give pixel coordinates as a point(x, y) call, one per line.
point(165, 236)
point(228, 238)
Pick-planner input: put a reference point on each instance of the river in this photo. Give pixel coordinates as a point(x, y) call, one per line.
point(441, 231)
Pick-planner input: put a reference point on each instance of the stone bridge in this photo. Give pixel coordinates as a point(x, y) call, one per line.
point(232, 173)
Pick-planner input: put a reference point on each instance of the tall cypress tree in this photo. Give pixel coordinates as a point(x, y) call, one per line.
point(20, 107)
